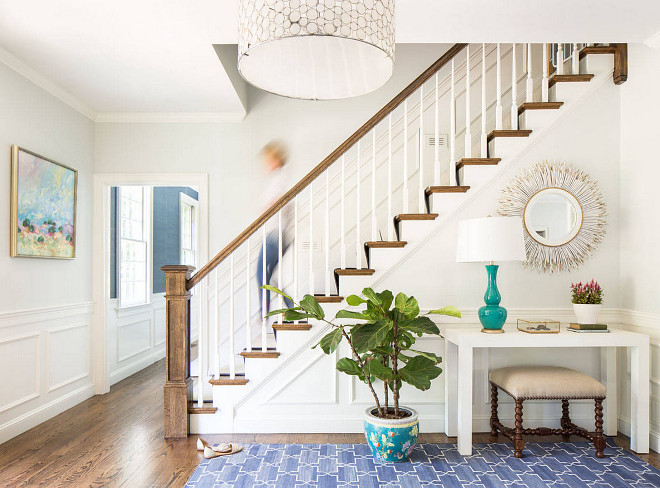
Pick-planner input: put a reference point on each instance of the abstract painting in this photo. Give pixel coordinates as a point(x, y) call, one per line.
point(43, 207)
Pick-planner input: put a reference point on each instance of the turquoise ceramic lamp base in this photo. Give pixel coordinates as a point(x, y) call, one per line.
point(492, 316)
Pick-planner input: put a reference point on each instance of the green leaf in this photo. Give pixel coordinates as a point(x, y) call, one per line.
point(450, 310)
point(420, 325)
point(349, 314)
point(280, 310)
point(330, 341)
point(276, 290)
point(411, 309)
point(386, 299)
point(372, 296)
point(380, 371)
point(428, 355)
point(291, 315)
point(419, 371)
point(354, 300)
point(400, 301)
point(350, 366)
point(311, 306)
point(366, 337)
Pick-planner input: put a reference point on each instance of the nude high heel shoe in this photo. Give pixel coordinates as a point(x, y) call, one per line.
point(211, 452)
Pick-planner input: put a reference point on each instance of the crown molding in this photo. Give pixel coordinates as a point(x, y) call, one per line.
point(44, 83)
point(150, 117)
point(653, 41)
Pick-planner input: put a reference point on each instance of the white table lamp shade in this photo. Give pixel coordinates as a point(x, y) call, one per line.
point(490, 239)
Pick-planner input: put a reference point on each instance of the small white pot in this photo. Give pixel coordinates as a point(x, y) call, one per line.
point(586, 313)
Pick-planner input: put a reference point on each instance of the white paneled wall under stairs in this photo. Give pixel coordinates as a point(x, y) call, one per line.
point(356, 217)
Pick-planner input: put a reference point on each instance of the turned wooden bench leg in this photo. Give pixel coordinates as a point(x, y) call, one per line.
point(599, 439)
point(565, 421)
point(494, 419)
point(518, 443)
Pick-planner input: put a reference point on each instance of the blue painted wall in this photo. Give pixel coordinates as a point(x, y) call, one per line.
point(166, 234)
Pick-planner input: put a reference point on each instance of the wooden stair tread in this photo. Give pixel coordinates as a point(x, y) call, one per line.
point(384, 244)
point(539, 106)
point(354, 272)
point(256, 352)
point(419, 216)
point(477, 162)
point(570, 79)
point(447, 189)
point(508, 133)
point(208, 408)
point(224, 379)
point(329, 299)
point(292, 326)
point(597, 50)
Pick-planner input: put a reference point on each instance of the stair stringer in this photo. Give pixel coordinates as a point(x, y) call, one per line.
point(252, 399)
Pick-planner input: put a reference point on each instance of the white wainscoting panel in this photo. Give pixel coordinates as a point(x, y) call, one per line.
point(44, 364)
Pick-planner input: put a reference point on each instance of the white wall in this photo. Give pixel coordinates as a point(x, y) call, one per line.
point(45, 309)
point(640, 172)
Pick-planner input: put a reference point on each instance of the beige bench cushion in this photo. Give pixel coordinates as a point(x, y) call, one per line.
point(546, 382)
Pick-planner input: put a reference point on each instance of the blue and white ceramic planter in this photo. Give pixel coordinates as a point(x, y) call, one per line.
point(391, 439)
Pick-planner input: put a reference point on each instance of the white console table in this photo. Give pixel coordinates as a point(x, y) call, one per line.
point(461, 342)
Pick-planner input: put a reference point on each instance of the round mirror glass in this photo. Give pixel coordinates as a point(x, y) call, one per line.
point(553, 217)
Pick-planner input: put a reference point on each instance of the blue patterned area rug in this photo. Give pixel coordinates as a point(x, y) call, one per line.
point(563, 464)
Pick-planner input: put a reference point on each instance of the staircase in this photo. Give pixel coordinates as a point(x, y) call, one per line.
point(357, 216)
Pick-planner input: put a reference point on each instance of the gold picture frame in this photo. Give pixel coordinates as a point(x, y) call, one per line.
point(43, 208)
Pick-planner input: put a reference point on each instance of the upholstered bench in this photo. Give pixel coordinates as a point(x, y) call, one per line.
point(546, 383)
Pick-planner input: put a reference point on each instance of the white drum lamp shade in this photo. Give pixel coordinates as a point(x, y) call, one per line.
point(490, 239)
point(316, 49)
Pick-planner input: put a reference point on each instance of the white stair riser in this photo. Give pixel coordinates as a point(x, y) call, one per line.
point(597, 63)
point(504, 147)
point(538, 119)
point(257, 368)
point(383, 258)
point(475, 176)
point(413, 231)
point(349, 285)
point(289, 341)
point(567, 92)
point(444, 203)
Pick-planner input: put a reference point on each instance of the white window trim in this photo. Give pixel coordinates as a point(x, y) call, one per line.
point(185, 199)
point(148, 232)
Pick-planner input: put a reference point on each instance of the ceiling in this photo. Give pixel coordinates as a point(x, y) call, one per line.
point(136, 58)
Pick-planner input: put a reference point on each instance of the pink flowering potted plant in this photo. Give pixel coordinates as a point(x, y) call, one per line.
point(587, 300)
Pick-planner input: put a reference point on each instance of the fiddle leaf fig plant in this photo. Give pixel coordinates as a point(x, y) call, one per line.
point(381, 337)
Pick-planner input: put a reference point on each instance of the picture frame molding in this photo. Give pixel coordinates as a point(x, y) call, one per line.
point(13, 218)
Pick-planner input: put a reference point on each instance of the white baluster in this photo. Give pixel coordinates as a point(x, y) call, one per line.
point(575, 60)
point(295, 248)
point(514, 89)
point(544, 80)
point(452, 128)
point(373, 186)
point(484, 141)
point(327, 233)
point(280, 285)
point(422, 201)
point(560, 59)
point(216, 324)
point(342, 224)
point(248, 308)
point(201, 342)
point(529, 93)
point(264, 319)
point(499, 117)
point(405, 156)
point(311, 239)
point(468, 120)
point(232, 365)
point(390, 227)
point(358, 256)
point(436, 147)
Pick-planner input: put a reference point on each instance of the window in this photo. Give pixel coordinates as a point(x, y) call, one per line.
point(188, 223)
point(134, 238)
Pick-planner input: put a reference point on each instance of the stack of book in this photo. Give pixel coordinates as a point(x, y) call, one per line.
point(588, 328)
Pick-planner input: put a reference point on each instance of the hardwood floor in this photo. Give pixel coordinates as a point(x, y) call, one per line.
point(116, 440)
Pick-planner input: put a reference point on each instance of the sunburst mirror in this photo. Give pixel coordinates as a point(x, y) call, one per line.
point(563, 212)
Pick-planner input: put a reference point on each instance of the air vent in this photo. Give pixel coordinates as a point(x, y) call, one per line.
point(305, 245)
point(431, 140)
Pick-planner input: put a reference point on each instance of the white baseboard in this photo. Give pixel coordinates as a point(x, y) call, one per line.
point(47, 411)
point(135, 366)
point(654, 435)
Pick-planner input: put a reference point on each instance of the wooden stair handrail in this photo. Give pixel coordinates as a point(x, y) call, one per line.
point(323, 165)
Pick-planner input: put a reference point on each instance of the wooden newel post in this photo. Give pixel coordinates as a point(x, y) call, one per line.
point(178, 384)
